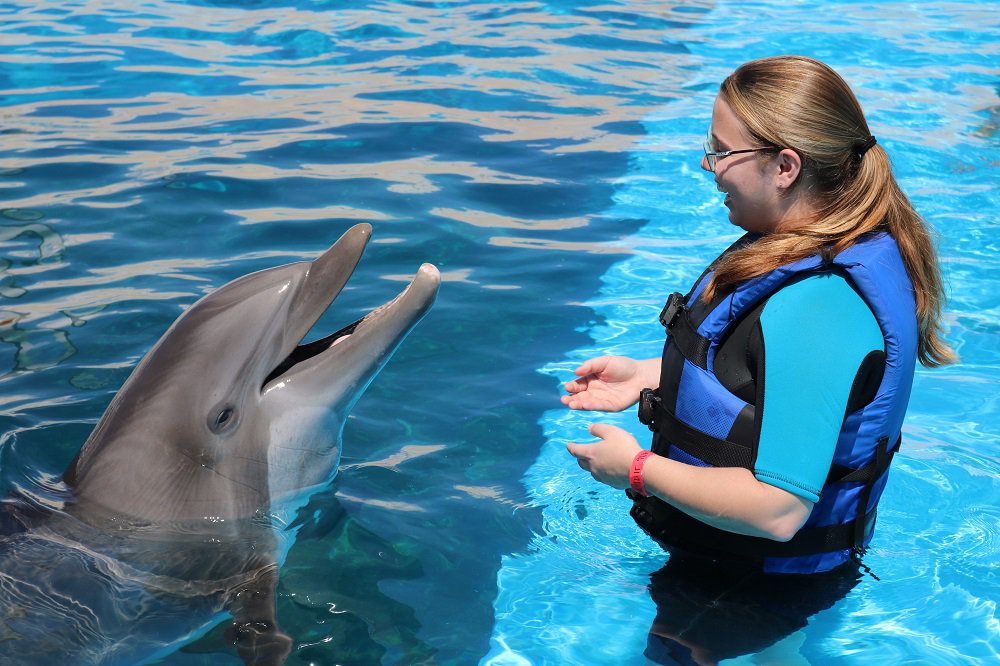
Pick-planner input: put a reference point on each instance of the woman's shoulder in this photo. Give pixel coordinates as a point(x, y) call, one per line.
point(822, 305)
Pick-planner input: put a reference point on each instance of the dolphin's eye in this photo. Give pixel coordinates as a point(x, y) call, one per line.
point(225, 418)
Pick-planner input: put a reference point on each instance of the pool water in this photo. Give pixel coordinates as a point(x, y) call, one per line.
point(544, 155)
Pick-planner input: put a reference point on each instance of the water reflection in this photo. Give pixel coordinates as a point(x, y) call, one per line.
point(28, 249)
point(233, 81)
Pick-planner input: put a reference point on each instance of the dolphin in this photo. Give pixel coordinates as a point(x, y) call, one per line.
point(177, 511)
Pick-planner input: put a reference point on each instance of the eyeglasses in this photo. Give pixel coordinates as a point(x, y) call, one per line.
point(712, 155)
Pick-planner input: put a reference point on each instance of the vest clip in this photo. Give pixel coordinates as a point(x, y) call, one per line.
point(647, 407)
point(672, 310)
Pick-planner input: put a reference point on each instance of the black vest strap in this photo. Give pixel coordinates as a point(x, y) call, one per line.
point(868, 473)
point(883, 457)
point(712, 450)
point(676, 318)
point(674, 529)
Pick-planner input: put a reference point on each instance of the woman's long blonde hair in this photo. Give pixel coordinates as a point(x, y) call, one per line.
point(800, 103)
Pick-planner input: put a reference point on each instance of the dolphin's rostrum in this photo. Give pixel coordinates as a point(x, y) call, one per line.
point(176, 506)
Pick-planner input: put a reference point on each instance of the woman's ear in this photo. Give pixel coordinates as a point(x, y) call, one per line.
point(789, 165)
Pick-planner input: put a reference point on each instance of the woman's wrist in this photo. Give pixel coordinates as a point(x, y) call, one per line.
point(635, 477)
point(649, 372)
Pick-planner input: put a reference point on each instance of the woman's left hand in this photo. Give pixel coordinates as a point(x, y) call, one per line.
point(610, 459)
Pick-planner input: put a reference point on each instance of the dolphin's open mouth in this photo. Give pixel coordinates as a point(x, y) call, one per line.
point(384, 326)
point(311, 350)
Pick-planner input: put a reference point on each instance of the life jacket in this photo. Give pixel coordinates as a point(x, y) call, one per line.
point(704, 411)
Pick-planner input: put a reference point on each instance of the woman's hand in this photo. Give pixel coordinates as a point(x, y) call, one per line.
point(610, 383)
point(609, 461)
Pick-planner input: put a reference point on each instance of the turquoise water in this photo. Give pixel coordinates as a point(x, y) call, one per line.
point(545, 156)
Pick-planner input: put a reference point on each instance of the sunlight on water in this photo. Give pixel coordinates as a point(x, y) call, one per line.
point(235, 84)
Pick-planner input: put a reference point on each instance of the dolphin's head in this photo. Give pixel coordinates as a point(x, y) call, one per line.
point(228, 410)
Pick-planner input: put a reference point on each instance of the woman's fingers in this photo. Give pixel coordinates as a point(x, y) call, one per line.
point(606, 430)
point(592, 366)
point(601, 384)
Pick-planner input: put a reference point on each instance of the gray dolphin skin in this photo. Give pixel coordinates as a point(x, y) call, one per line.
point(176, 512)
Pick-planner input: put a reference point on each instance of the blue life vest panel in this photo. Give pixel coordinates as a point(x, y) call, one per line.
point(704, 411)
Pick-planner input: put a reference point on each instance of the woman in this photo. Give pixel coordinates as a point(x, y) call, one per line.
point(778, 402)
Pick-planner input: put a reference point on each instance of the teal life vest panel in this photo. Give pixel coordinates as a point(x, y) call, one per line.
point(705, 410)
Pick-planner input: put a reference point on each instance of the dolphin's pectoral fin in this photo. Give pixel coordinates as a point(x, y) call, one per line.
point(255, 631)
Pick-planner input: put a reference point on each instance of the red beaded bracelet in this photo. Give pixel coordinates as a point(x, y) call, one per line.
point(635, 473)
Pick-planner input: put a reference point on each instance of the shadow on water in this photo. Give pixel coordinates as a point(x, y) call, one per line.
point(706, 613)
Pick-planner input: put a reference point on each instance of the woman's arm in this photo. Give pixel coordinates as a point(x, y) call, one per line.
point(729, 498)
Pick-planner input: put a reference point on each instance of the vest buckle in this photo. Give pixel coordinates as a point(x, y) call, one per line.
point(672, 310)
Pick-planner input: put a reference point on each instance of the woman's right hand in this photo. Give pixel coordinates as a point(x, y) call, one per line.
point(610, 383)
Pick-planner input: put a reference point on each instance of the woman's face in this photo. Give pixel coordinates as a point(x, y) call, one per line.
point(753, 196)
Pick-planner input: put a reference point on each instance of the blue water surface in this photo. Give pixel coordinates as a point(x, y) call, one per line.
point(544, 155)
